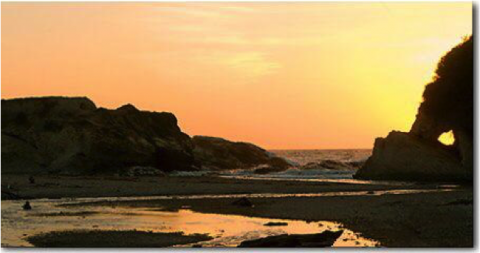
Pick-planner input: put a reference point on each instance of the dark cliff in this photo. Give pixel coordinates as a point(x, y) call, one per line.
point(60, 135)
point(73, 136)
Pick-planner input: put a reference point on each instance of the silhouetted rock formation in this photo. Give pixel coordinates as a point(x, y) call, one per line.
point(448, 105)
point(220, 154)
point(448, 102)
point(73, 136)
point(403, 156)
point(325, 239)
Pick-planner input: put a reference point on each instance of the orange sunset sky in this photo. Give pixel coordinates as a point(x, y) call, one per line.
point(280, 75)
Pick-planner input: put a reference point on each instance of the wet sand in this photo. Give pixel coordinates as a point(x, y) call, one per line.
point(103, 239)
point(410, 220)
point(56, 223)
point(427, 219)
point(70, 187)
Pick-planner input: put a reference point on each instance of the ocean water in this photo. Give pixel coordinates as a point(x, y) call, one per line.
point(303, 157)
point(338, 164)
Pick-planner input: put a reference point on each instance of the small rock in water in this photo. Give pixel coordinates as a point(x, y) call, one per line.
point(267, 170)
point(31, 180)
point(242, 202)
point(275, 224)
point(27, 206)
point(325, 239)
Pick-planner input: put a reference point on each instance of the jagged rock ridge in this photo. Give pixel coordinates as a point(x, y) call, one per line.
point(65, 135)
point(73, 136)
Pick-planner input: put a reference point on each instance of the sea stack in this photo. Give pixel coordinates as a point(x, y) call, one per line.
point(448, 106)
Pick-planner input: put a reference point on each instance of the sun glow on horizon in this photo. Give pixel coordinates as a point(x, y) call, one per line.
point(280, 75)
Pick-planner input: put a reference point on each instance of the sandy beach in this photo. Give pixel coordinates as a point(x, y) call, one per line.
point(110, 186)
point(393, 214)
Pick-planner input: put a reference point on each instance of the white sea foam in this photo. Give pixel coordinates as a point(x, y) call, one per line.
point(306, 164)
point(312, 164)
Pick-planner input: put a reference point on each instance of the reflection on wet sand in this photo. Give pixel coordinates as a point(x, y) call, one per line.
point(227, 230)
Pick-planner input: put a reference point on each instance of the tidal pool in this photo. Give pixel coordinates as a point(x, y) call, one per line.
point(227, 230)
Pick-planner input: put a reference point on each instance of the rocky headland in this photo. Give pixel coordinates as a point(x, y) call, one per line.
point(72, 136)
point(448, 106)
